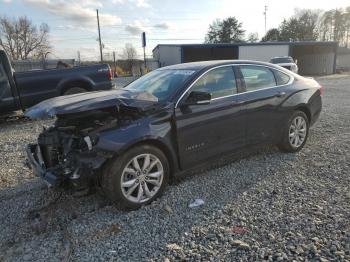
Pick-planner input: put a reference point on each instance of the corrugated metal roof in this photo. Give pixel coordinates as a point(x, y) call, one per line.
point(333, 43)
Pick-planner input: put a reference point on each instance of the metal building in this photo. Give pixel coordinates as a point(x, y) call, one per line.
point(314, 58)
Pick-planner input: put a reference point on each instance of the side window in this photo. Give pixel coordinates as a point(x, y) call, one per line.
point(257, 77)
point(281, 78)
point(218, 82)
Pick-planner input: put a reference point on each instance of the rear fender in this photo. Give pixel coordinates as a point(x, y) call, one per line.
point(308, 100)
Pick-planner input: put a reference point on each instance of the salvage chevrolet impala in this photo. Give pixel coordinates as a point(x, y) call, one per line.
point(130, 141)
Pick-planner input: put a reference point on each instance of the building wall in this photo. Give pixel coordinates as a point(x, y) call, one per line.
point(316, 64)
point(191, 54)
point(314, 59)
point(262, 53)
point(343, 61)
point(167, 55)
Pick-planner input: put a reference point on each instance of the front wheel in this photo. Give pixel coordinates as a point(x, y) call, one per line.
point(137, 177)
point(295, 133)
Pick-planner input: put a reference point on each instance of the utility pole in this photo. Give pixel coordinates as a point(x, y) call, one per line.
point(99, 34)
point(115, 65)
point(143, 36)
point(144, 57)
point(78, 57)
point(265, 14)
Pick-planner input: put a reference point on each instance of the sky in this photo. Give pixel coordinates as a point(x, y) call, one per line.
point(73, 24)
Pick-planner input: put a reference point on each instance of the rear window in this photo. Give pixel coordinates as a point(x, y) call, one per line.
point(281, 78)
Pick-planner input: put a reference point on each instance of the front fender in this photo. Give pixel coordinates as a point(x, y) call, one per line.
point(119, 140)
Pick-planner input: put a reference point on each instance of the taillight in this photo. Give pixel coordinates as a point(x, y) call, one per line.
point(321, 90)
point(110, 76)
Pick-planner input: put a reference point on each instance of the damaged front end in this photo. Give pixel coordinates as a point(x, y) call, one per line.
point(65, 152)
point(69, 152)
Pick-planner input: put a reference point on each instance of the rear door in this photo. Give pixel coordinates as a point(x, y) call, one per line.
point(265, 90)
point(205, 131)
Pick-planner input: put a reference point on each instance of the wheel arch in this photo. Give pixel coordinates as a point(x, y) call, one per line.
point(82, 83)
point(306, 110)
point(168, 152)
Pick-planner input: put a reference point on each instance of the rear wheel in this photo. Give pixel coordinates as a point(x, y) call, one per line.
point(74, 90)
point(295, 132)
point(137, 177)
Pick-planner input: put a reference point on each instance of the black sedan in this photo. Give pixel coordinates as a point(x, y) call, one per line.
point(130, 141)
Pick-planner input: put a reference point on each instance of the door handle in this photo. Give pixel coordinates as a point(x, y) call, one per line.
point(280, 94)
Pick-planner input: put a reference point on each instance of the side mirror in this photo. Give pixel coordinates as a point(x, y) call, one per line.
point(198, 98)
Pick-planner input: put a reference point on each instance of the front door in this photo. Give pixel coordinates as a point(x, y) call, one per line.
point(205, 131)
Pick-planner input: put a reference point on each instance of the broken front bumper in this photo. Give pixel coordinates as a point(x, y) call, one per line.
point(36, 162)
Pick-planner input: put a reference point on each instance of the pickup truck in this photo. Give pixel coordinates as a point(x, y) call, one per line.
point(21, 90)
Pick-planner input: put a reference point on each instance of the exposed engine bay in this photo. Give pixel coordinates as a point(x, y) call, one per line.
point(66, 150)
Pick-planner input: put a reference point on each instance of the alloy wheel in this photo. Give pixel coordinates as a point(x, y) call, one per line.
point(297, 132)
point(142, 178)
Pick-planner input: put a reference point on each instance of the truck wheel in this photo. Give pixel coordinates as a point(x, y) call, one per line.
point(74, 90)
point(295, 133)
point(137, 177)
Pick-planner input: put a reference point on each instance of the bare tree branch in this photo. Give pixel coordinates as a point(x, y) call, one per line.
point(22, 40)
point(130, 55)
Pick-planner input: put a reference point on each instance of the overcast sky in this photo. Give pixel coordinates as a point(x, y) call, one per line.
point(73, 24)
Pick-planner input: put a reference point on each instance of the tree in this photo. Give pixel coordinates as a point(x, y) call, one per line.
point(335, 26)
point(300, 27)
point(228, 30)
point(130, 55)
point(271, 35)
point(21, 39)
point(253, 37)
point(307, 24)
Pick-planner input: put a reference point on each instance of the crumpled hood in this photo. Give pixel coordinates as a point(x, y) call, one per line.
point(89, 101)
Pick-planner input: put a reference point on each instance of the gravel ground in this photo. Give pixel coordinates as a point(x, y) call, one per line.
point(267, 206)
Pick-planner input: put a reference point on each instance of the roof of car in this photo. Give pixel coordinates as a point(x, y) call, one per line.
point(208, 64)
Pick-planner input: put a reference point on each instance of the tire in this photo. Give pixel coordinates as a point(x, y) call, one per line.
point(122, 183)
point(74, 90)
point(290, 144)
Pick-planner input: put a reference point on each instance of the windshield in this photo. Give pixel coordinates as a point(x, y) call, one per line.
point(280, 60)
point(161, 83)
